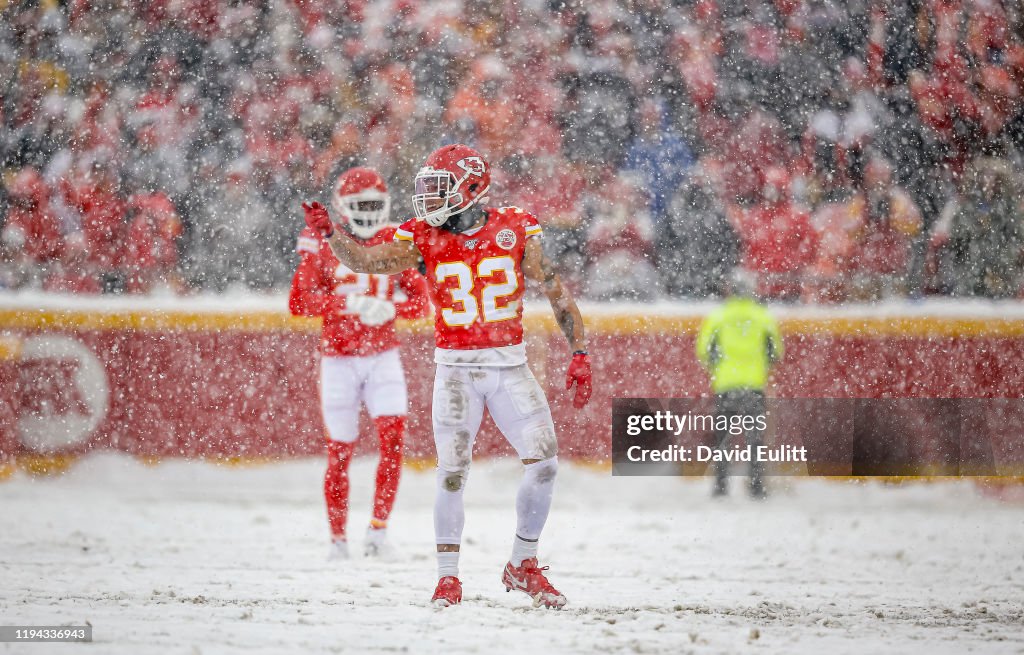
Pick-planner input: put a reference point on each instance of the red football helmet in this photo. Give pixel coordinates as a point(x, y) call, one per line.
point(453, 179)
point(361, 198)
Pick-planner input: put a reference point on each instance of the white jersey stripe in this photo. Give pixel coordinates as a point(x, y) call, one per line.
point(307, 244)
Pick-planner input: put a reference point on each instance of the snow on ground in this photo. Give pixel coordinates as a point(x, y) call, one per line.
point(190, 557)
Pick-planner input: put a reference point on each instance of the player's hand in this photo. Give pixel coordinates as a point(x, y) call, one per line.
point(318, 218)
point(579, 372)
point(372, 311)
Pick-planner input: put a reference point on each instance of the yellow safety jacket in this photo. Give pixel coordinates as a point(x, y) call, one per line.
point(738, 343)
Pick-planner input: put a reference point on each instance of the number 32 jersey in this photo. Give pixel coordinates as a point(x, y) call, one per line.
point(475, 280)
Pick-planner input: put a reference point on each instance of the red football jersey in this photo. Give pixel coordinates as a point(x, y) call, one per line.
point(476, 278)
point(321, 284)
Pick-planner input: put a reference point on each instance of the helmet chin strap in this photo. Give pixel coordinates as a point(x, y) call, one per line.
point(462, 221)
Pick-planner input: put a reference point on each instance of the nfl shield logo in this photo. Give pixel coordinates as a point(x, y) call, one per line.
point(471, 244)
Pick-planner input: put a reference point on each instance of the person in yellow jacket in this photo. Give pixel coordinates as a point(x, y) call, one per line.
point(738, 344)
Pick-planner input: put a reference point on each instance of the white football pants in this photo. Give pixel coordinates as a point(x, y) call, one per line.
point(519, 408)
point(377, 381)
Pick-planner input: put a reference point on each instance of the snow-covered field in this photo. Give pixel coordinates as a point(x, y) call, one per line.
point(189, 557)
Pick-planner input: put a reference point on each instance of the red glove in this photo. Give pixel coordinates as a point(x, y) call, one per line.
point(579, 372)
point(318, 218)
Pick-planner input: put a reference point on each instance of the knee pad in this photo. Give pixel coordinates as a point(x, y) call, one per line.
point(452, 481)
point(544, 471)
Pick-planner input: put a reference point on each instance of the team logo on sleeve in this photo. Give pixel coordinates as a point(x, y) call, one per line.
point(505, 239)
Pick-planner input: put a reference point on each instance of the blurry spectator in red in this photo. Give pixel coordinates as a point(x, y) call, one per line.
point(528, 179)
point(389, 121)
point(836, 219)
point(951, 110)
point(755, 143)
point(979, 240)
point(620, 246)
point(151, 252)
point(778, 241)
point(343, 148)
point(73, 273)
point(279, 146)
point(165, 105)
point(988, 30)
point(566, 195)
point(889, 225)
point(999, 99)
point(102, 209)
point(696, 66)
point(485, 102)
point(32, 233)
point(99, 130)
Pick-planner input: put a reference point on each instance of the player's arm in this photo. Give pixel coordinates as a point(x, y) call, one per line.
point(386, 258)
point(306, 298)
point(308, 295)
point(537, 266)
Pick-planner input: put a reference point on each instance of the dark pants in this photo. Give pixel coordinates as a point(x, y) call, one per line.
point(740, 402)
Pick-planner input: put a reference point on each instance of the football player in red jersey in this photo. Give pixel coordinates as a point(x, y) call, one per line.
point(359, 362)
point(476, 258)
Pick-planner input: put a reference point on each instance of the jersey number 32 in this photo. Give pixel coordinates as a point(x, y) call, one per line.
point(467, 307)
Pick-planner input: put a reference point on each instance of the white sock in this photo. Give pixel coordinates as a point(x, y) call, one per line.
point(447, 564)
point(522, 549)
point(533, 503)
point(449, 511)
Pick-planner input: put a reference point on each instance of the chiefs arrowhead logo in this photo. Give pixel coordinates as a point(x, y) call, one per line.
point(506, 239)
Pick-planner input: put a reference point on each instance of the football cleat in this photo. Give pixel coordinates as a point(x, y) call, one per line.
point(338, 550)
point(448, 592)
point(529, 579)
point(377, 545)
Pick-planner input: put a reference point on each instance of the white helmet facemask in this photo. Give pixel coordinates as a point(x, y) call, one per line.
point(365, 212)
point(437, 196)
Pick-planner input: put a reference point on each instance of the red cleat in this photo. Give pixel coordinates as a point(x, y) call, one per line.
point(448, 592)
point(529, 579)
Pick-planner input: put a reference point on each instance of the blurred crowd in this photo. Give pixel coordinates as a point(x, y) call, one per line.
point(838, 151)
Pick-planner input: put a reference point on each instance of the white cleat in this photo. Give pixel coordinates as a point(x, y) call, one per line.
point(338, 550)
point(378, 546)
